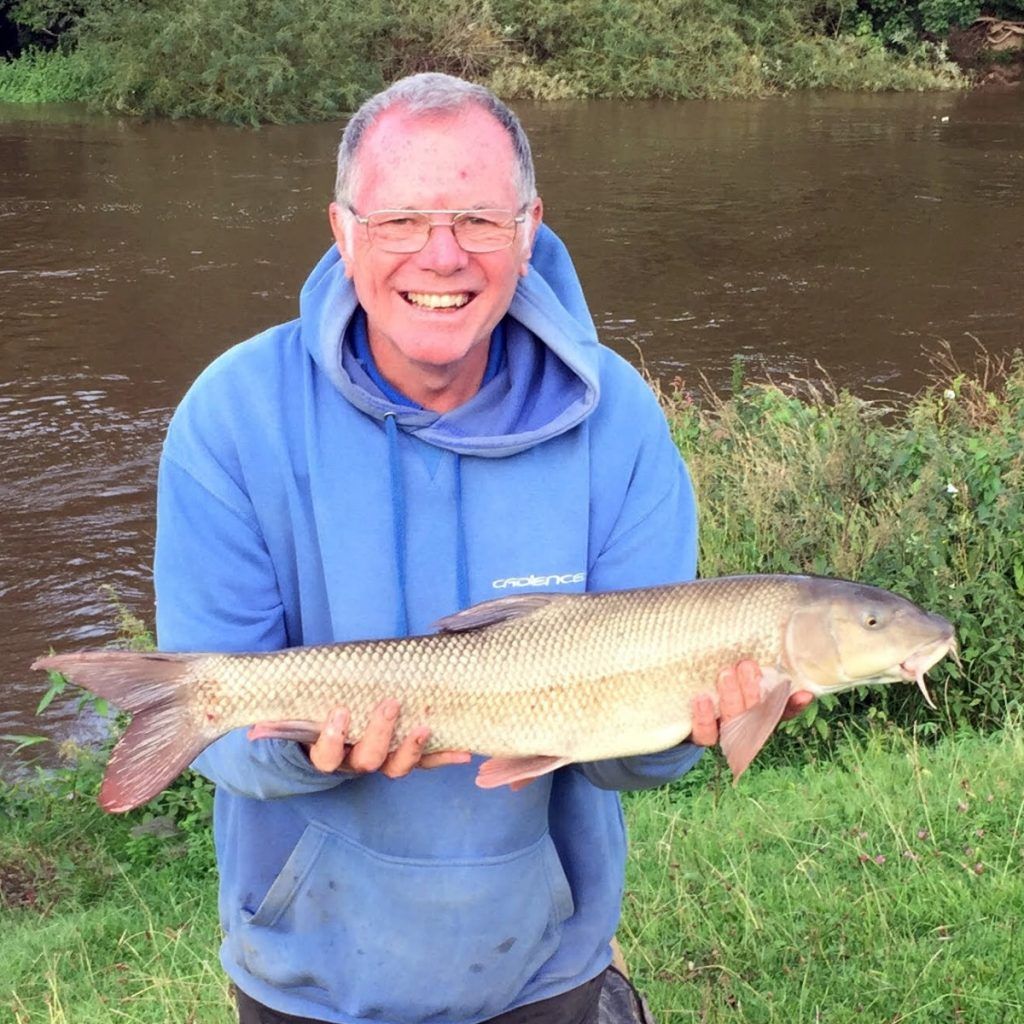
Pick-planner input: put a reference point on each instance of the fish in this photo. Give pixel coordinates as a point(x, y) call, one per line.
point(531, 681)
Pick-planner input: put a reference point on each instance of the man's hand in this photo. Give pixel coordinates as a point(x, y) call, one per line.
point(739, 688)
point(371, 753)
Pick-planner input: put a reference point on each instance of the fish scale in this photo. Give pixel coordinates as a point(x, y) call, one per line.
point(548, 678)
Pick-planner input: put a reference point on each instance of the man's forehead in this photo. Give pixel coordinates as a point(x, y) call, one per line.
point(398, 132)
point(405, 153)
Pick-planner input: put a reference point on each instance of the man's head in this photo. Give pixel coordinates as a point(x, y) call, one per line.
point(432, 95)
point(434, 143)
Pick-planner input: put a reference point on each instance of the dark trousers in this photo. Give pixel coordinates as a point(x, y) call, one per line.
point(577, 1006)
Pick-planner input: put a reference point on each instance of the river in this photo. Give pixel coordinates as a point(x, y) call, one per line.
point(810, 235)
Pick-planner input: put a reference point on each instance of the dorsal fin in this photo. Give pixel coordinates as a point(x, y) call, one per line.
point(496, 612)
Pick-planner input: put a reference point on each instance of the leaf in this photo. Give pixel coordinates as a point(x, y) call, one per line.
point(21, 741)
point(57, 686)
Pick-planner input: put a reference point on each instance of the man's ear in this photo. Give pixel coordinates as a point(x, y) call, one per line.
point(341, 228)
point(534, 216)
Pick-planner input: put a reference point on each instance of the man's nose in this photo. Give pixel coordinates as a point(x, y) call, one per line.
point(442, 253)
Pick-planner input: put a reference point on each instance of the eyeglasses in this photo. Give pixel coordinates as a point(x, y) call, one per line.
point(406, 231)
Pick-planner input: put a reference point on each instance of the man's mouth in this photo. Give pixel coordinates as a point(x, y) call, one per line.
point(437, 300)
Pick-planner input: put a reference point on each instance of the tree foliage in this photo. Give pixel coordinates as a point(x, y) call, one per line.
point(287, 60)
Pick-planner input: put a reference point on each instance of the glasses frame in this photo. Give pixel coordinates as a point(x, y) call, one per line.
point(517, 218)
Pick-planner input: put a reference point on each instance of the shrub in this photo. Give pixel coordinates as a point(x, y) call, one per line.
point(926, 499)
point(41, 76)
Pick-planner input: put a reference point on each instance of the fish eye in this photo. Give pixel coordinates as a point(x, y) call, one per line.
point(872, 620)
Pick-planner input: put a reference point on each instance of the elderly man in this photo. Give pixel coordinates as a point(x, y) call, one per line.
point(438, 426)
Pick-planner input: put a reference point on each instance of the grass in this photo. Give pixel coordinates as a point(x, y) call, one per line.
point(883, 887)
point(874, 876)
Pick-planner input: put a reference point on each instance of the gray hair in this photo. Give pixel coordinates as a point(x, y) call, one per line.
point(423, 95)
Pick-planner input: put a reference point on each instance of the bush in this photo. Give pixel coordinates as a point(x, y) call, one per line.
point(248, 61)
point(40, 76)
point(926, 499)
point(235, 60)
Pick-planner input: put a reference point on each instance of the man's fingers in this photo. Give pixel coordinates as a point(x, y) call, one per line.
point(372, 749)
point(442, 757)
point(797, 702)
point(730, 694)
point(407, 755)
point(749, 674)
point(329, 750)
point(704, 729)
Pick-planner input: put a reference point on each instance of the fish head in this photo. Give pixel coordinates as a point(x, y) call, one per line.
point(850, 634)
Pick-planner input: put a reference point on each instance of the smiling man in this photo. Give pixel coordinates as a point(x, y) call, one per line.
point(439, 424)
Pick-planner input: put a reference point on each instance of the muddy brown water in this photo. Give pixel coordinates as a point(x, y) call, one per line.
point(846, 232)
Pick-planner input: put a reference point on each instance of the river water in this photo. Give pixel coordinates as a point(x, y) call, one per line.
point(813, 234)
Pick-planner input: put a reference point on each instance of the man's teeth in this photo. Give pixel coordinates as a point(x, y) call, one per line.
point(435, 301)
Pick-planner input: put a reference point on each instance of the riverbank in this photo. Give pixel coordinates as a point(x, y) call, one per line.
point(883, 885)
point(248, 62)
point(868, 867)
point(922, 495)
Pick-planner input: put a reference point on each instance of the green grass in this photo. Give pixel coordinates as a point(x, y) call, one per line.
point(884, 887)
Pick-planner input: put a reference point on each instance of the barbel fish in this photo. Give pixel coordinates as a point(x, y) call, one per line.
point(533, 681)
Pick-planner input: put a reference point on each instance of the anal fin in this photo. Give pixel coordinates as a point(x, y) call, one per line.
point(516, 772)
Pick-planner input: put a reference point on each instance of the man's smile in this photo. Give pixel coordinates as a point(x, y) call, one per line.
point(438, 300)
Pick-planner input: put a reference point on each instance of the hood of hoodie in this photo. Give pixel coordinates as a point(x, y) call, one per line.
point(547, 384)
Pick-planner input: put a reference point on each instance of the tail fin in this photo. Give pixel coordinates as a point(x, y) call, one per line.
point(162, 739)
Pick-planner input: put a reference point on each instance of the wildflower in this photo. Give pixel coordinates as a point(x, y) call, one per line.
point(922, 833)
point(949, 394)
point(952, 488)
point(880, 859)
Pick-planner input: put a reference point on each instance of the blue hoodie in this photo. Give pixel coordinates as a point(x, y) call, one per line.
point(302, 502)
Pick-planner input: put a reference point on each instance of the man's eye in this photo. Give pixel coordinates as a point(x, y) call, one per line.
point(397, 222)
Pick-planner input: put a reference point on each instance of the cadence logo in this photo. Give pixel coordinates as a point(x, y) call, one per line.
point(554, 580)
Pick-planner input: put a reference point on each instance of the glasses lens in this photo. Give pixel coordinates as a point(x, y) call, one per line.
point(485, 230)
point(475, 231)
point(398, 232)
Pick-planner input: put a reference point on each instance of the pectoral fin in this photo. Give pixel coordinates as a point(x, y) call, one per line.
point(508, 771)
point(743, 736)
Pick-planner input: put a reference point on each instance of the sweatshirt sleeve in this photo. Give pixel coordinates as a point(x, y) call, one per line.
point(652, 540)
point(216, 591)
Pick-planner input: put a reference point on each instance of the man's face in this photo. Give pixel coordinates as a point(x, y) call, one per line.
point(456, 162)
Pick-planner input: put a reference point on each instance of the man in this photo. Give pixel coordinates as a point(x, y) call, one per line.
point(439, 427)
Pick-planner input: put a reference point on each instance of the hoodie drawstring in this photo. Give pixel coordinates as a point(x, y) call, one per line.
point(461, 561)
point(397, 518)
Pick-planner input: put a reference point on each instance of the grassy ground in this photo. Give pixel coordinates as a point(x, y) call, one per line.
point(884, 887)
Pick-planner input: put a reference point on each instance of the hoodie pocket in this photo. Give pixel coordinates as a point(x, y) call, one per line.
point(395, 938)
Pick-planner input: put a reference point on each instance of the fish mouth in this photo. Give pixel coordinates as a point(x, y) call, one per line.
point(913, 669)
